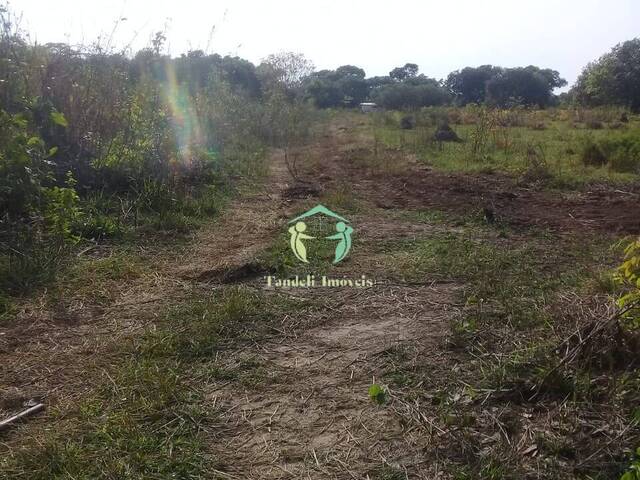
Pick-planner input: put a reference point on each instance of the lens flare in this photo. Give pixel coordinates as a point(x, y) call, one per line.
point(184, 118)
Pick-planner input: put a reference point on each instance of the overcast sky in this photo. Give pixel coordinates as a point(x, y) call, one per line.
point(438, 35)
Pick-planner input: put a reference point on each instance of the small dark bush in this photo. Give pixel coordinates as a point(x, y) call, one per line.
point(620, 151)
point(595, 125)
point(97, 225)
point(624, 118)
point(407, 122)
point(592, 154)
point(445, 133)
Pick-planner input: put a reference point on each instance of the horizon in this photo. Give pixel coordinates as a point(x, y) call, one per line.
point(365, 35)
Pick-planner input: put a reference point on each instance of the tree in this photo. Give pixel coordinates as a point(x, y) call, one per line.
point(350, 71)
point(407, 96)
point(612, 79)
point(324, 92)
point(524, 86)
point(402, 73)
point(504, 86)
point(346, 86)
point(469, 85)
point(351, 82)
point(288, 69)
point(376, 82)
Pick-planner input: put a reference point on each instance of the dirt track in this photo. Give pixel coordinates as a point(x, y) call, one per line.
point(314, 418)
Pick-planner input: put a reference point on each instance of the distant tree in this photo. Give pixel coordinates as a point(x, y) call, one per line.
point(402, 73)
point(422, 80)
point(552, 76)
point(469, 85)
point(351, 82)
point(375, 82)
point(346, 86)
point(612, 79)
point(240, 74)
point(286, 69)
point(407, 96)
point(323, 90)
point(524, 86)
point(350, 71)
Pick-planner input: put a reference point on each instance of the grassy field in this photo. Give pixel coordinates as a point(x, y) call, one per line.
point(170, 359)
point(552, 146)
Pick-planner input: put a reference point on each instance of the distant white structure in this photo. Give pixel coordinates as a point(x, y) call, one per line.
point(367, 107)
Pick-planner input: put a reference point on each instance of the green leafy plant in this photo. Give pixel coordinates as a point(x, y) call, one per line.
point(633, 472)
point(628, 276)
point(377, 394)
point(62, 209)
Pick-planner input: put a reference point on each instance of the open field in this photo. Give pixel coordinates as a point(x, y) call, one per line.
point(222, 260)
point(548, 146)
point(164, 361)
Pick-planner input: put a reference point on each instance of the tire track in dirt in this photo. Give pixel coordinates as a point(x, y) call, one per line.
point(314, 418)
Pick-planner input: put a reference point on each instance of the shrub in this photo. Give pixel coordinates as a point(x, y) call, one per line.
point(537, 169)
point(36, 216)
point(407, 122)
point(633, 472)
point(592, 154)
point(97, 225)
point(622, 151)
point(628, 276)
point(445, 133)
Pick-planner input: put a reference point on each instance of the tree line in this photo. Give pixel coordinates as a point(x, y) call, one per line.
point(613, 79)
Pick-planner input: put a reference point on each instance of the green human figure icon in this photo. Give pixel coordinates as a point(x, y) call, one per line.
point(344, 245)
point(298, 227)
point(297, 236)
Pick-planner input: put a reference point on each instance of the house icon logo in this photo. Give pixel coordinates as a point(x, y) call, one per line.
point(298, 234)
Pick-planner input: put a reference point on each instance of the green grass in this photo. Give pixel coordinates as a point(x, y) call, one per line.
point(388, 472)
point(147, 418)
point(559, 146)
point(123, 227)
point(342, 200)
point(504, 275)
point(278, 257)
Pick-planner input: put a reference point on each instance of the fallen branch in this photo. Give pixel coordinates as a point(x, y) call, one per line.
point(25, 413)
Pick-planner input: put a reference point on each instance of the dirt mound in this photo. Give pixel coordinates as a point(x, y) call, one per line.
point(235, 274)
point(445, 133)
point(301, 190)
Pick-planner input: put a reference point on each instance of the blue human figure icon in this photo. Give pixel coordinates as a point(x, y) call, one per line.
point(344, 245)
point(297, 236)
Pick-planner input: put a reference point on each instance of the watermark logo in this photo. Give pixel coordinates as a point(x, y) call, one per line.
point(299, 237)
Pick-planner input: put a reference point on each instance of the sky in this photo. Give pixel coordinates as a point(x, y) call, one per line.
point(439, 36)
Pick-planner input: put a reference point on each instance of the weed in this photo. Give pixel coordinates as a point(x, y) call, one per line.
point(388, 472)
point(377, 394)
point(633, 472)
